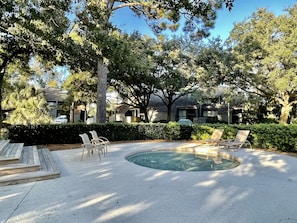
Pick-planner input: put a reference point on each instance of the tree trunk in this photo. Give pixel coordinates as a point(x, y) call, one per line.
point(146, 117)
point(286, 110)
point(169, 112)
point(71, 114)
point(1, 96)
point(101, 91)
point(285, 113)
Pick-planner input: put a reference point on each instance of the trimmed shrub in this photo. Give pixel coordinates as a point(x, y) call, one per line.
point(172, 131)
point(281, 137)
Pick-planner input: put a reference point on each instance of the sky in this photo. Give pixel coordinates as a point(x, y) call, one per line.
point(242, 9)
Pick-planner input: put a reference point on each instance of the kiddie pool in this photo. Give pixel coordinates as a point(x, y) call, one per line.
point(183, 160)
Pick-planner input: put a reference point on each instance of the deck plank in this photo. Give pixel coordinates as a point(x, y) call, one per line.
point(3, 144)
point(49, 163)
point(34, 165)
point(11, 153)
point(27, 177)
point(27, 162)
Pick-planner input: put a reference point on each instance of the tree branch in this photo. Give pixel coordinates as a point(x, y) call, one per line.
point(132, 4)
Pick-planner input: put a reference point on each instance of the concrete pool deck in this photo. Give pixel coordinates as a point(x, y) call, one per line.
point(262, 189)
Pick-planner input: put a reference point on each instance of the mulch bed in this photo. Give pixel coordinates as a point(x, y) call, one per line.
point(55, 147)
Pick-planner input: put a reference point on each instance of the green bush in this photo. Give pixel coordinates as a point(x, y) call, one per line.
point(281, 137)
point(172, 131)
point(204, 131)
point(201, 132)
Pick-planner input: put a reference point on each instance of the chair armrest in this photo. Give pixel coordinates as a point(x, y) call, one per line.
point(103, 138)
point(97, 140)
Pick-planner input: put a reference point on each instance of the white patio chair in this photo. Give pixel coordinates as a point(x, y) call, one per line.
point(100, 139)
point(90, 147)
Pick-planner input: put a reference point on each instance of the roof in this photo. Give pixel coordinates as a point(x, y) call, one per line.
point(53, 94)
point(183, 102)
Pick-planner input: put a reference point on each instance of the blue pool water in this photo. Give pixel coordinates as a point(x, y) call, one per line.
point(183, 161)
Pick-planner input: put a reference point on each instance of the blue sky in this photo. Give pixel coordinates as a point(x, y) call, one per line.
point(242, 9)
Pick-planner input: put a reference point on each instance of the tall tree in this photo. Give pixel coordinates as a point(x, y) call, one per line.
point(132, 72)
point(44, 77)
point(199, 17)
point(29, 107)
point(29, 28)
point(265, 62)
point(82, 87)
point(211, 58)
point(175, 71)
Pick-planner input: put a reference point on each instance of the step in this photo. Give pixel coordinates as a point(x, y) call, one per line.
point(28, 162)
point(47, 163)
point(11, 153)
point(48, 170)
point(3, 144)
point(27, 177)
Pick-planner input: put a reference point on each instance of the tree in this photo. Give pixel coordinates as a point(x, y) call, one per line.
point(160, 15)
point(264, 58)
point(29, 28)
point(81, 88)
point(44, 77)
point(132, 75)
point(175, 71)
point(211, 58)
point(28, 106)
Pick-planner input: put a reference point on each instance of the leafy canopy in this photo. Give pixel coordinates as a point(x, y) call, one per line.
point(264, 57)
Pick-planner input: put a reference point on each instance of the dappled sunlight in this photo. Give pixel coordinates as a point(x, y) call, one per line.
point(124, 211)
point(247, 170)
point(225, 198)
point(158, 174)
point(30, 216)
point(114, 148)
point(104, 175)
point(174, 178)
point(115, 190)
point(96, 171)
point(9, 196)
point(93, 201)
point(273, 161)
point(208, 183)
point(280, 165)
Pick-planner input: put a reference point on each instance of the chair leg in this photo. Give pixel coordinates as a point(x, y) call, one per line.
point(99, 154)
point(82, 155)
point(104, 151)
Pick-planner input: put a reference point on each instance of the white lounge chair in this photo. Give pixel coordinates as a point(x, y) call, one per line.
point(239, 140)
point(90, 147)
point(99, 139)
point(214, 139)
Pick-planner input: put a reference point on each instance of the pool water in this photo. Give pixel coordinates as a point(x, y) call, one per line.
point(183, 161)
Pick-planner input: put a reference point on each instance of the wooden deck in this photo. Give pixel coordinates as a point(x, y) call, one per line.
point(22, 164)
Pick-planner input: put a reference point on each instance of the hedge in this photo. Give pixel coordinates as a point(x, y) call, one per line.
point(281, 137)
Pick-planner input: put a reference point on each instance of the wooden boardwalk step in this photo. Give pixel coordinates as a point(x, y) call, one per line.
point(3, 144)
point(27, 177)
point(48, 170)
point(11, 153)
point(28, 162)
point(47, 163)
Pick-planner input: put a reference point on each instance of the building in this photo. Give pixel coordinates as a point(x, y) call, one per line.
point(55, 99)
